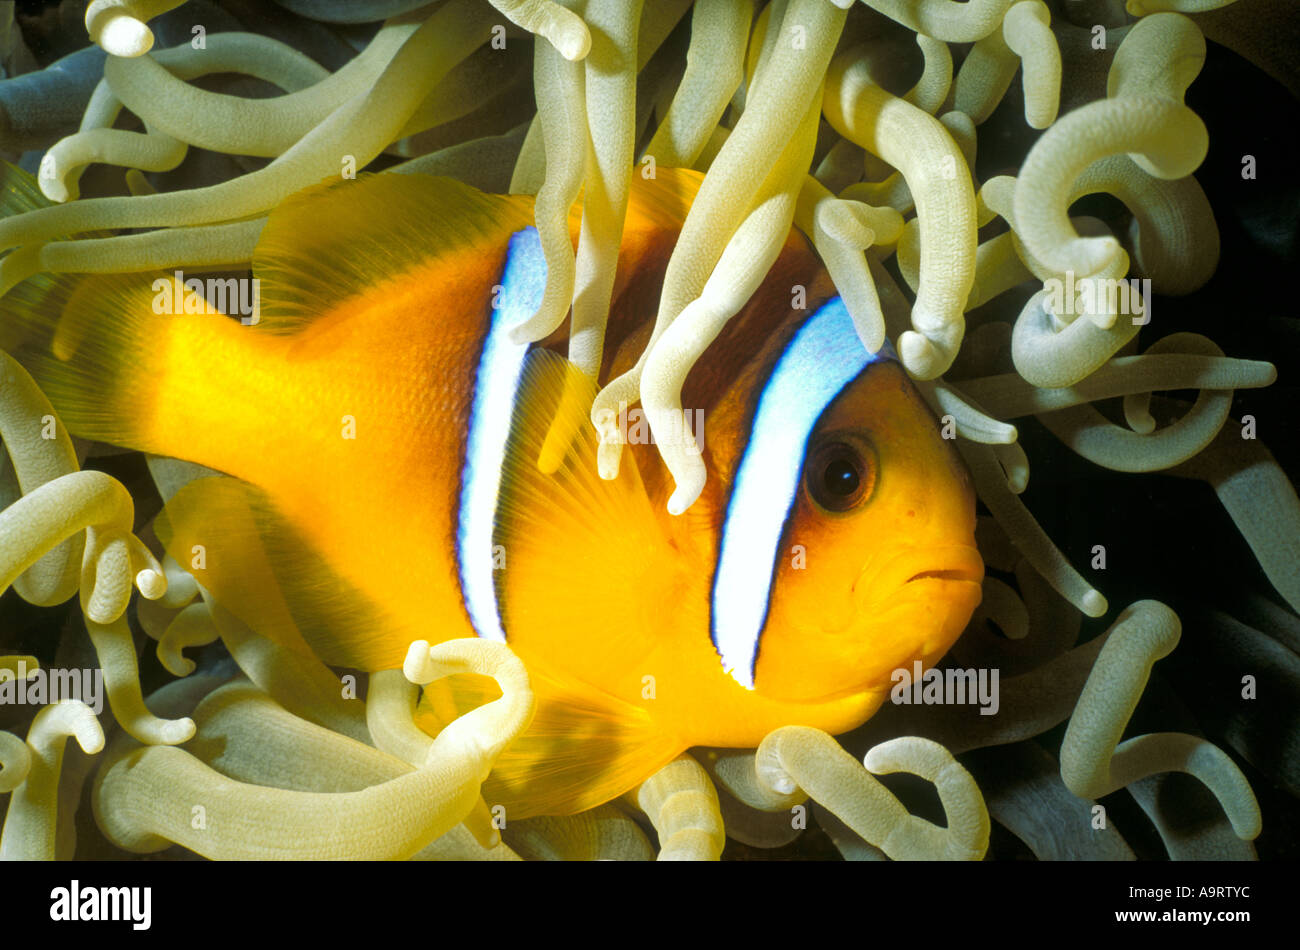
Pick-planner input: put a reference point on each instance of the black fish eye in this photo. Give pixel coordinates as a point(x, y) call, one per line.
point(840, 475)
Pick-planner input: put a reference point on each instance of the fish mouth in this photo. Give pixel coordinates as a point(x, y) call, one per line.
point(948, 574)
point(916, 570)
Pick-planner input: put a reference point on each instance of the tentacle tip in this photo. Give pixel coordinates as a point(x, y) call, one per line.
point(125, 36)
point(175, 731)
point(151, 584)
point(1143, 425)
point(919, 356)
point(573, 41)
point(1247, 828)
point(1104, 319)
point(55, 190)
point(178, 666)
point(1094, 604)
point(782, 784)
point(687, 492)
point(417, 665)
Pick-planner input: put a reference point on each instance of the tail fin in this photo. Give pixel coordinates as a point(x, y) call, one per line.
point(94, 343)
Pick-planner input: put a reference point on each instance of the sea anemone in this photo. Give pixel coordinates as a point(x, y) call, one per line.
point(939, 196)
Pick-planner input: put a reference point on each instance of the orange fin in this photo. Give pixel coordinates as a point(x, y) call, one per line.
point(338, 241)
point(581, 553)
point(581, 750)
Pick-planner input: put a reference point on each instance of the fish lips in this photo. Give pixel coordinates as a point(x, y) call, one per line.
point(920, 571)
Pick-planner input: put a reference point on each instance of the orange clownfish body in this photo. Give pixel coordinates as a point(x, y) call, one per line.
point(382, 436)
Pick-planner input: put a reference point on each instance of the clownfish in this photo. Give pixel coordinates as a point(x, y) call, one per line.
point(389, 472)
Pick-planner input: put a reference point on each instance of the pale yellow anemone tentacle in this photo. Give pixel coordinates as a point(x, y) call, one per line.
point(1174, 237)
point(808, 759)
point(962, 130)
point(1101, 296)
point(562, 107)
point(890, 192)
point(562, 28)
point(118, 26)
point(295, 679)
point(683, 807)
point(984, 77)
point(610, 140)
point(998, 264)
point(600, 834)
point(783, 90)
point(192, 627)
point(15, 762)
point(1087, 432)
point(1095, 763)
point(395, 819)
point(931, 89)
point(390, 718)
point(210, 245)
point(1028, 34)
point(1052, 358)
point(715, 66)
point(657, 22)
point(922, 149)
point(733, 770)
point(26, 419)
point(497, 722)
point(998, 268)
point(246, 736)
point(151, 152)
point(362, 128)
point(739, 272)
point(841, 230)
point(1144, 116)
point(945, 19)
point(59, 509)
point(760, 829)
point(971, 420)
point(390, 707)
point(1260, 499)
point(116, 561)
point(154, 617)
point(1147, 7)
point(31, 821)
point(155, 89)
point(1003, 606)
point(181, 586)
point(116, 652)
point(1009, 395)
point(1025, 532)
point(177, 114)
point(1015, 464)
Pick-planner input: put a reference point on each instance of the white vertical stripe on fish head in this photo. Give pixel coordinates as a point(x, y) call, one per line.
point(822, 358)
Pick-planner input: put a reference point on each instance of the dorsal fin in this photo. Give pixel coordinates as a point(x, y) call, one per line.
point(338, 240)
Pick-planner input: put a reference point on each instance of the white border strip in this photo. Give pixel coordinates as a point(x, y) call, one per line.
point(495, 386)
